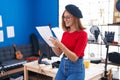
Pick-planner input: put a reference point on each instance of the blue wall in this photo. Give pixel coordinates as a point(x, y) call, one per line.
point(25, 15)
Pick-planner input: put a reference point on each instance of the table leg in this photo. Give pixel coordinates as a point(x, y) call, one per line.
point(25, 73)
point(110, 75)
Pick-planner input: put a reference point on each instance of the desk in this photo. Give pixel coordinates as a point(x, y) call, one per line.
point(94, 72)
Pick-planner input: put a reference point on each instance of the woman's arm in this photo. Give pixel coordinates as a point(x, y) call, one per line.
point(59, 48)
point(57, 51)
point(71, 55)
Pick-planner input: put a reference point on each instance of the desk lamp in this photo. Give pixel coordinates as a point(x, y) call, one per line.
point(95, 31)
point(118, 5)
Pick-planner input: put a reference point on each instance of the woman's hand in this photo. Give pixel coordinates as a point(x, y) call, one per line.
point(56, 47)
point(55, 41)
point(59, 48)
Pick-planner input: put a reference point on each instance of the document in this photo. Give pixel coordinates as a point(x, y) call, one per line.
point(1, 36)
point(10, 31)
point(58, 32)
point(45, 33)
point(0, 21)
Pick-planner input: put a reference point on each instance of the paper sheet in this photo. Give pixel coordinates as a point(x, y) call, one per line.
point(1, 36)
point(45, 33)
point(10, 31)
point(0, 21)
point(58, 32)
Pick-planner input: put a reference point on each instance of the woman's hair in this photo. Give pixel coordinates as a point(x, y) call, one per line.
point(78, 24)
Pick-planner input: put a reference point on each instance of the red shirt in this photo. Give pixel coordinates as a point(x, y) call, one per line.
point(75, 41)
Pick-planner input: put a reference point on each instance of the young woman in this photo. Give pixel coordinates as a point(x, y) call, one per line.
point(72, 45)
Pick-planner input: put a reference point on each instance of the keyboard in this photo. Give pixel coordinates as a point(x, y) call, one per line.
point(12, 66)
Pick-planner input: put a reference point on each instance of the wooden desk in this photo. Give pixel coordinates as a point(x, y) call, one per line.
point(94, 72)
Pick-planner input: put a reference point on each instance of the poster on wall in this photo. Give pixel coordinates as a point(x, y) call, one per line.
point(10, 31)
point(0, 21)
point(1, 36)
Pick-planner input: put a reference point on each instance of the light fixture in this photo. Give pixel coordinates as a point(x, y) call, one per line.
point(95, 31)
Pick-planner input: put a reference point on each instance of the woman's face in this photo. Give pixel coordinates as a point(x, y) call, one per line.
point(68, 19)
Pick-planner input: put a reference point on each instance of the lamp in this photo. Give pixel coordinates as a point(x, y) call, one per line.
point(94, 29)
point(118, 5)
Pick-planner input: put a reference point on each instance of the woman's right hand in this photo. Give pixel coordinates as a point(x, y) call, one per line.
point(55, 41)
point(56, 47)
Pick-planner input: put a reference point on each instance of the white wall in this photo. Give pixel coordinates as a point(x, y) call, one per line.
point(95, 12)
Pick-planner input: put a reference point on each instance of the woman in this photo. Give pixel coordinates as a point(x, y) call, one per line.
point(72, 45)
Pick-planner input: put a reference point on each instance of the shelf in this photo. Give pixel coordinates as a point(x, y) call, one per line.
point(111, 44)
point(112, 63)
point(115, 24)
